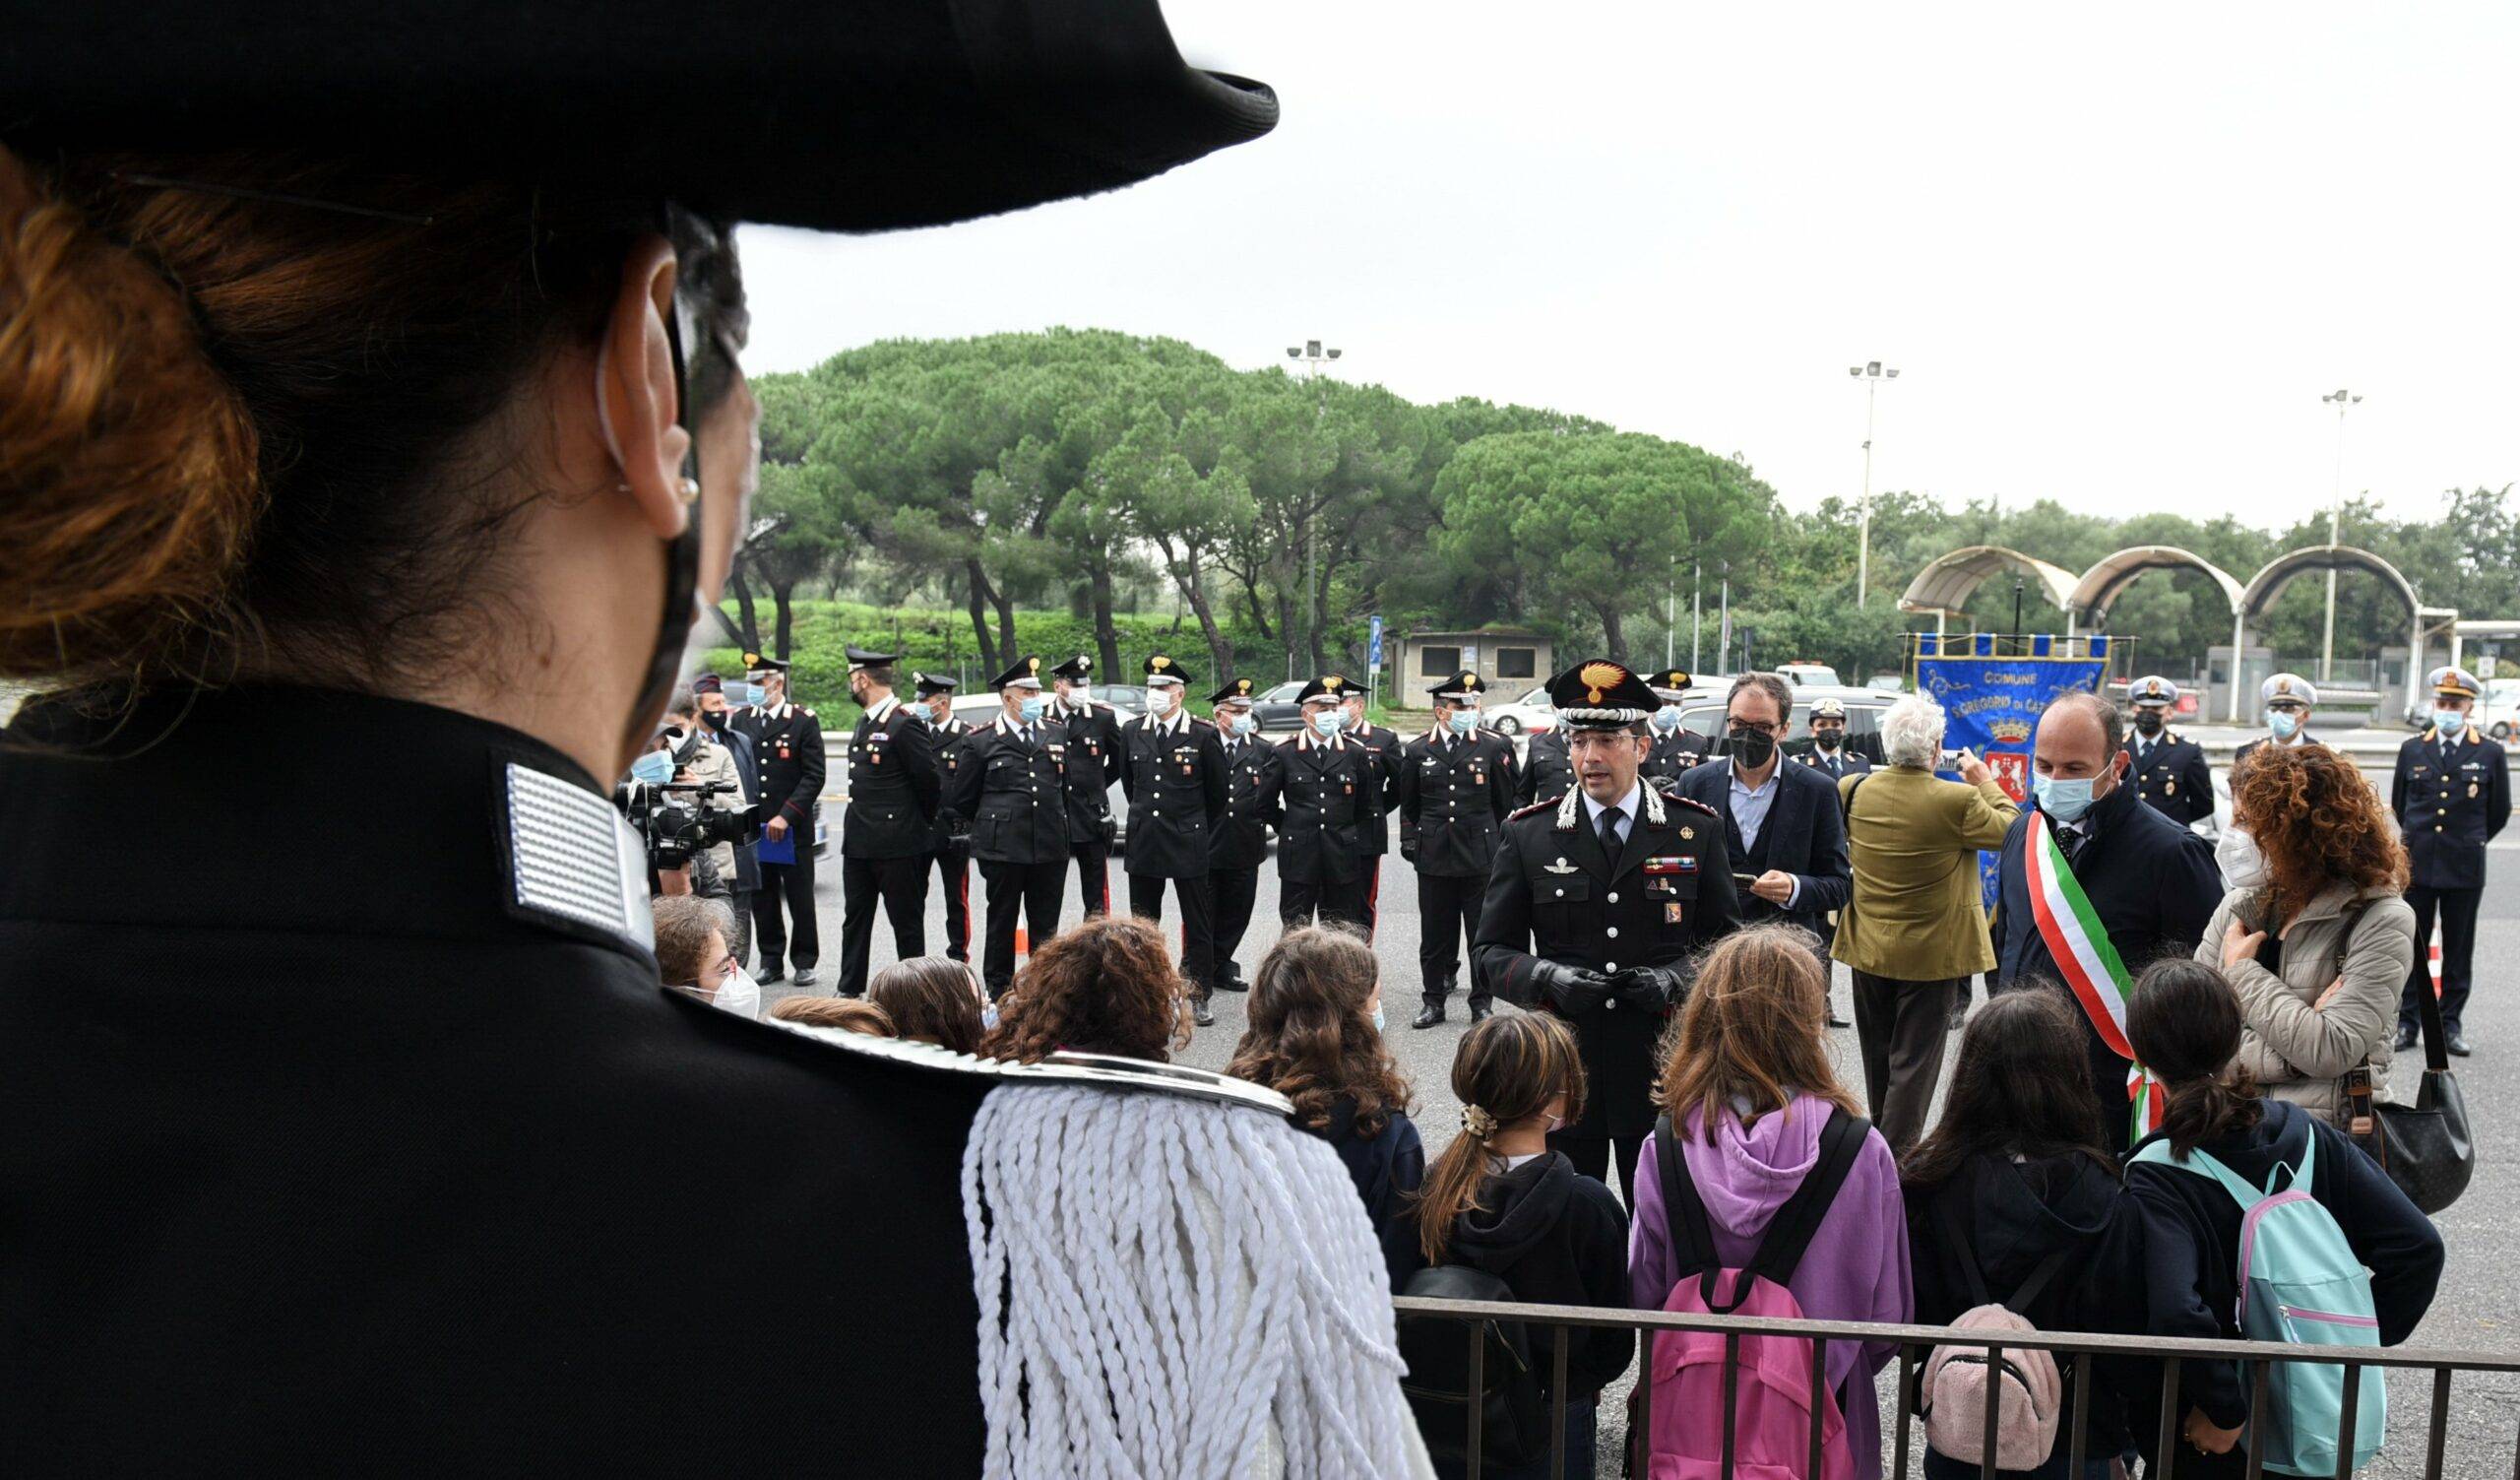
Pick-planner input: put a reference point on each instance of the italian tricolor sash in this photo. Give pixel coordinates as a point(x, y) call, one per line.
point(2071, 928)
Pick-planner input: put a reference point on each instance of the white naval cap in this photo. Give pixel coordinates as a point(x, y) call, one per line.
point(2287, 686)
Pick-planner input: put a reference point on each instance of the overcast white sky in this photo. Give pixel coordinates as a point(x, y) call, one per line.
point(2119, 253)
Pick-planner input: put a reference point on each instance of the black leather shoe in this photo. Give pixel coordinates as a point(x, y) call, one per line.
point(1836, 1021)
point(805, 975)
point(2406, 1040)
point(772, 976)
point(1478, 1014)
point(1233, 983)
point(2458, 1044)
point(1427, 1016)
point(1200, 1012)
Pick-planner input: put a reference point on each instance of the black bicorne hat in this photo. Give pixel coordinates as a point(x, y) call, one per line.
point(848, 115)
point(1599, 695)
point(1026, 674)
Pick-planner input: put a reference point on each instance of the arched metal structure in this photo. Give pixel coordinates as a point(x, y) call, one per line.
point(2271, 579)
point(1943, 588)
point(2108, 580)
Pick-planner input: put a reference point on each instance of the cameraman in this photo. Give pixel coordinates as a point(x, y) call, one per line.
point(701, 757)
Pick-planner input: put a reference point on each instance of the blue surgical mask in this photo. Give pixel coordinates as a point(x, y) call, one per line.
point(654, 768)
point(2450, 721)
point(1463, 721)
point(1378, 1020)
point(2064, 801)
point(1244, 723)
point(1326, 723)
point(1034, 706)
point(2282, 723)
point(1664, 720)
point(988, 1017)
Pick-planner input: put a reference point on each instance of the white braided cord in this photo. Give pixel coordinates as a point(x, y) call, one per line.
point(1171, 1287)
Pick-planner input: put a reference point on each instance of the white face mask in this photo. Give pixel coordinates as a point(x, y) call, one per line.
point(2244, 867)
point(1080, 694)
point(740, 994)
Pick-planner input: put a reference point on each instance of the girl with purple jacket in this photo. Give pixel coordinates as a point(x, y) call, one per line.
point(1748, 1082)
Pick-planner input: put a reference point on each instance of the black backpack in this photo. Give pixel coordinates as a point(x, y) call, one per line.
point(1513, 1409)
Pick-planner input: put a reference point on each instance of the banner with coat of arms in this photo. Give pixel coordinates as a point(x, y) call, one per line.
point(1992, 706)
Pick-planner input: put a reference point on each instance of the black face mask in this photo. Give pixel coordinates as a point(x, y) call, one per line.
point(2148, 722)
point(1827, 740)
point(715, 718)
point(1752, 747)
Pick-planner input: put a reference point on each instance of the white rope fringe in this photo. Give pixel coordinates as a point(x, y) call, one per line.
point(1175, 1288)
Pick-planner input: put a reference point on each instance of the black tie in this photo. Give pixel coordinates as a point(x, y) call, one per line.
point(1610, 818)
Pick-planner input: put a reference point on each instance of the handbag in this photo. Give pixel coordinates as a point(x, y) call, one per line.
point(2425, 1147)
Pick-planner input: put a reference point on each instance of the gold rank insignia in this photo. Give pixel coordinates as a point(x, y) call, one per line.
point(2170, 786)
point(1688, 832)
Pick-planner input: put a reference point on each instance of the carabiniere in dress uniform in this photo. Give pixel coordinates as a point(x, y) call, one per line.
point(1597, 900)
point(1174, 780)
point(1239, 843)
point(1456, 786)
point(2452, 794)
point(1011, 780)
point(1328, 794)
point(2166, 768)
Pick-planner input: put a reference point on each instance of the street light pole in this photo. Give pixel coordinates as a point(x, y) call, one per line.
point(1313, 357)
point(1871, 373)
point(2341, 400)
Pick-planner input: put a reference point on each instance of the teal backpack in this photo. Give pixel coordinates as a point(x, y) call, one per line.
point(2301, 1283)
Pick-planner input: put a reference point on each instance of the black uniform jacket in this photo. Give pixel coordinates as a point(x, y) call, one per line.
point(1095, 757)
point(1327, 797)
point(2449, 809)
point(788, 747)
point(1804, 835)
point(1013, 789)
point(1174, 776)
point(382, 1148)
point(1241, 838)
point(1555, 895)
point(1385, 745)
point(953, 831)
point(1672, 755)
point(1847, 761)
point(893, 799)
point(2154, 884)
point(2173, 778)
point(1549, 773)
point(1454, 795)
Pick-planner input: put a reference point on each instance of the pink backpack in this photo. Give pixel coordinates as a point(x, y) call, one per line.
point(1770, 1428)
point(2027, 1391)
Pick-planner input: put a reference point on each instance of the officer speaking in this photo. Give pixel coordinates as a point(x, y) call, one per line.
point(1596, 901)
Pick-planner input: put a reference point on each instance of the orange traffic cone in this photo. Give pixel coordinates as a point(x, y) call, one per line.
point(1023, 941)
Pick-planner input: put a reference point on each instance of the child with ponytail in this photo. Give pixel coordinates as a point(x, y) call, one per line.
point(1500, 1202)
point(2185, 1022)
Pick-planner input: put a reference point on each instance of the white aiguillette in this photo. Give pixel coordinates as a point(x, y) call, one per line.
point(1097, 1071)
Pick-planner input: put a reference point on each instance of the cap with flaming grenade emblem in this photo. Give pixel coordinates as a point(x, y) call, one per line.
point(1599, 695)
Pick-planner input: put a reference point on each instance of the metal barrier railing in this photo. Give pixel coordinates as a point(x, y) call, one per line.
point(2083, 1348)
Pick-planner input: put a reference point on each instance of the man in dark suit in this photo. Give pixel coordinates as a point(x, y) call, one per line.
point(2452, 794)
point(1781, 828)
point(788, 750)
point(2153, 883)
point(2166, 769)
point(1009, 782)
point(1374, 837)
point(890, 830)
point(1240, 842)
point(1595, 907)
point(1174, 780)
point(1093, 730)
point(1328, 794)
point(935, 705)
point(1830, 755)
point(1456, 785)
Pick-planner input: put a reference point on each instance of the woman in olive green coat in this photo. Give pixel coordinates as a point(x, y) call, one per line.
point(1915, 928)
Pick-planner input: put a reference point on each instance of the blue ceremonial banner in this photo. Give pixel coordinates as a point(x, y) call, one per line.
point(1992, 704)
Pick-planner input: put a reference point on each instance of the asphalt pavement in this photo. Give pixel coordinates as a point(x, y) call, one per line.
point(2477, 1309)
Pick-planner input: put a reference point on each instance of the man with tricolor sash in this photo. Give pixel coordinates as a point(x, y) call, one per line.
point(2095, 886)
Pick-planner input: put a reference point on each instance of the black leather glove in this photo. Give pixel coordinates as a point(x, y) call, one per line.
point(1574, 990)
point(1650, 989)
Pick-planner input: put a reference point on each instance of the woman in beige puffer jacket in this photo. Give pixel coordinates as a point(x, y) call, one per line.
point(2313, 935)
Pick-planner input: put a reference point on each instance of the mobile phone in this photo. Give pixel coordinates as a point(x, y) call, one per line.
point(1744, 879)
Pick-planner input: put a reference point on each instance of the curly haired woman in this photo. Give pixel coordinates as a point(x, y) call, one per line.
point(2313, 935)
point(1106, 987)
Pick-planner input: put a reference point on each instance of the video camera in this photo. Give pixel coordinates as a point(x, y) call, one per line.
point(676, 820)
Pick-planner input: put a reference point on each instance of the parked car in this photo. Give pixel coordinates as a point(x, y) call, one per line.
point(1275, 708)
point(1528, 715)
point(2499, 708)
point(1809, 675)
